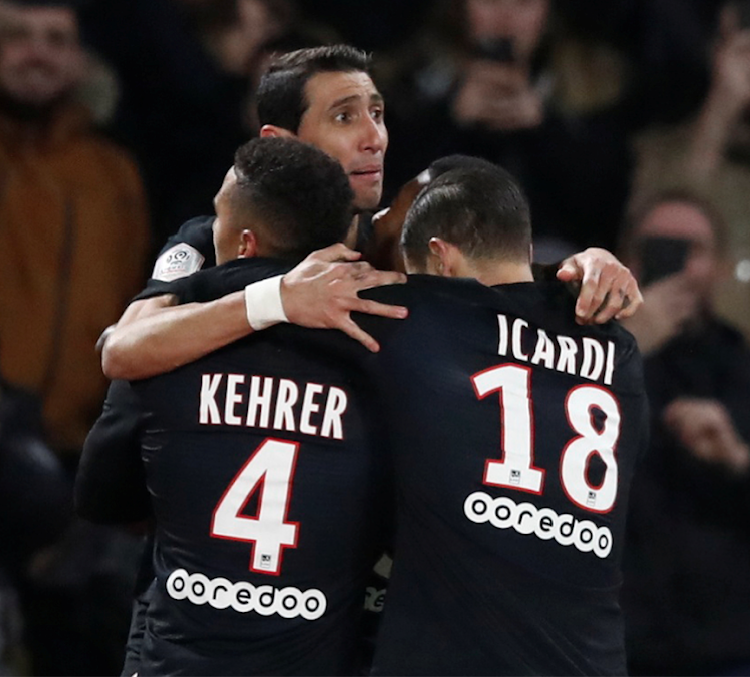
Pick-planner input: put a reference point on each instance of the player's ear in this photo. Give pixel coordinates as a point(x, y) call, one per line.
point(268, 131)
point(440, 259)
point(248, 245)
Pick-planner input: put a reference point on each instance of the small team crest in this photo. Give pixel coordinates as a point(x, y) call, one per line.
point(178, 261)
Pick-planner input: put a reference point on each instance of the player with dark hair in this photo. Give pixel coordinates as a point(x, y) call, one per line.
point(335, 106)
point(261, 465)
point(291, 217)
point(515, 433)
point(454, 332)
point(300, 95)
point(287, 102)
point(497, 228)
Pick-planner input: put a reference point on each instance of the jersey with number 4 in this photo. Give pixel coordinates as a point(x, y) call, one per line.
point(265, 483)
point(516, 433)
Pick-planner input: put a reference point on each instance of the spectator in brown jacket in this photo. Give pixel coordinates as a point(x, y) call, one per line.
point(73, 229)
point(73, 241)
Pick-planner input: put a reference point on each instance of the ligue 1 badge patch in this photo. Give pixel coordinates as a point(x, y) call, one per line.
point(178, 261)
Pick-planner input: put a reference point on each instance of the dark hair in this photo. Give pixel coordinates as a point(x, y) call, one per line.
point(296, 197)
point(639, 209)
point(457, 161)
point(479, 208)
point(281, 93)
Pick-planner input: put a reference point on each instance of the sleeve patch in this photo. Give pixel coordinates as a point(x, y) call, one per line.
point(178, 261)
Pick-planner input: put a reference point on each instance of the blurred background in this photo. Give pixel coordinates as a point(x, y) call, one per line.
point(626, 121)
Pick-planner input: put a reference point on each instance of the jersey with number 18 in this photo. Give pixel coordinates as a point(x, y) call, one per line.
point(516, 433)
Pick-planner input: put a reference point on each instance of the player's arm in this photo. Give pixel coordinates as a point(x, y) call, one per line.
point(607, 287)
point(110, 485)
point(321, 292)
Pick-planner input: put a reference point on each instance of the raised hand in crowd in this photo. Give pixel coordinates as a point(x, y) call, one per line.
point(705, 428)
point(497, 96)
point(728, 97)
point(668, 306)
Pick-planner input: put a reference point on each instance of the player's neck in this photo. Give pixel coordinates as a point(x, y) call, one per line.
point(491, 273)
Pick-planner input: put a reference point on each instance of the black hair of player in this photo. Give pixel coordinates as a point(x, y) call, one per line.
point(281, 98)
point(297, 198)
point(478, 208)
point(457, 161)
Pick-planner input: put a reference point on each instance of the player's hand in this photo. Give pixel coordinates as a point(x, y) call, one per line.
point(705, 428)
point(321, 292)
point(607, 287)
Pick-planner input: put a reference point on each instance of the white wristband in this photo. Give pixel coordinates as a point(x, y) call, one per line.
point(263, 303)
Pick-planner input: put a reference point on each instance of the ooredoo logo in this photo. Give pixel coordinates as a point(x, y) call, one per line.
point(544, 523)
point(220, 593)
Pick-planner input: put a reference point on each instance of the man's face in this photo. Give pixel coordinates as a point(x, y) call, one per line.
point(684, 221)
point(523, 21)
point(40, 56)
point(226, 234)
point(344, 118)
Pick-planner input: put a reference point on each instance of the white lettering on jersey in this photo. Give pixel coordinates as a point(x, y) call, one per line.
point(209, 412)
point(586, 357)
point(243, 597)
point(374, 599)
point(178, 261)
point(274, 404)
point(544, 523)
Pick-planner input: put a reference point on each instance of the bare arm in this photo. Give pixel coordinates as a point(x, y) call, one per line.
point(159, 336)
point(156, 336)
point(727, 98)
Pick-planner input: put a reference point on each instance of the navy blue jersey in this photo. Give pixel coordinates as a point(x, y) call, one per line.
point(515, 434)
point(110, 484)
point(265, 478)
point(186, 252)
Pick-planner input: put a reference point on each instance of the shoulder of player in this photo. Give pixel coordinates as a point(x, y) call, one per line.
point(212, 283)
point(197, 231)
point(187, 251)
point(426, 289)
point(550, 306)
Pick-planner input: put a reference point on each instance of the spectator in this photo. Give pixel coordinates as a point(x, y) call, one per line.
point(710, 154)
point(185, 84)
point(493, 79)
point(73, 240)
point(74, 231)
point(34, 490)
point(687, 570)
point(368, 24)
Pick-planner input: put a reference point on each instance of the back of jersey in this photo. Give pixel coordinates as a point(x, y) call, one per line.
point(264, 483)
point(516, 435)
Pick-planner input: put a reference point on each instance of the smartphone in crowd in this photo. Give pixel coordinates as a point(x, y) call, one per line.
point(661, 257)
point(499, 50)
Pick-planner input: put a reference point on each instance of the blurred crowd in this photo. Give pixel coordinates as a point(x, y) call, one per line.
point(626, 121)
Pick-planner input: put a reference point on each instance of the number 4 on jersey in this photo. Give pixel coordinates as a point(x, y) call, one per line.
point(269, 470)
